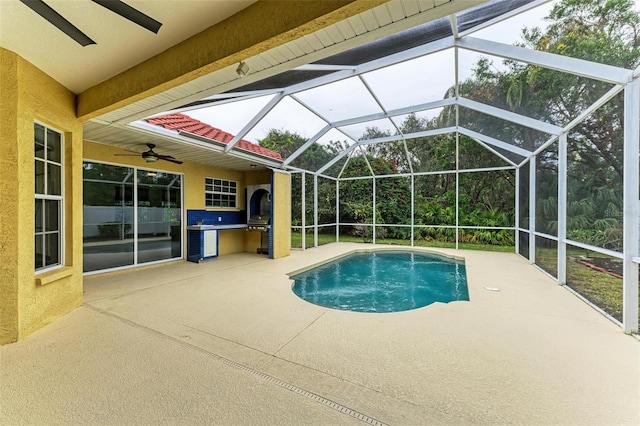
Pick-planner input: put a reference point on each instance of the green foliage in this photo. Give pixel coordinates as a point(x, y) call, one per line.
point(286, 143)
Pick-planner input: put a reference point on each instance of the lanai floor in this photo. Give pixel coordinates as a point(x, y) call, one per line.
point(227, 342)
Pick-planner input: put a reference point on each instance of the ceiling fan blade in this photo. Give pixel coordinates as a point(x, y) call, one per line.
point(131, 151)
point(57, 20)
point(130, 13)
point(169, 158)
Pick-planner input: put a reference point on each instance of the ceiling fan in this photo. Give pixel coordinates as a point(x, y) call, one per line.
point(115, 6)
point(151, 156)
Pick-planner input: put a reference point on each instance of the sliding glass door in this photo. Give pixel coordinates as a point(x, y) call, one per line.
point(131, 216)
point(159, 210)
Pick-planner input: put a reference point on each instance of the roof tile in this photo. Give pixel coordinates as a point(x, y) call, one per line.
point(184, 123)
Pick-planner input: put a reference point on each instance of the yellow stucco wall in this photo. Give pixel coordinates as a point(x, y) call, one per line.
point(281, 214)
point(258, 177)
point(30, 301)
point(231, 241)
point(9, 206)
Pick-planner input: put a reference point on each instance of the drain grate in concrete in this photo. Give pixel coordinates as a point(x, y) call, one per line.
point(293, 388)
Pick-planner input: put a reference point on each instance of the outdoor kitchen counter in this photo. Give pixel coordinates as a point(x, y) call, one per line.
point(216, 227)
point(209, 241)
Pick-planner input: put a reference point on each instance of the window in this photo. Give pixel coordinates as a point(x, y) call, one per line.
point(219, 193)
point(48, 197)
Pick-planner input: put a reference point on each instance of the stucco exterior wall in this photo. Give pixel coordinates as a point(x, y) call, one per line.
point(281, 214)
point(30, 301)
point(9, 206)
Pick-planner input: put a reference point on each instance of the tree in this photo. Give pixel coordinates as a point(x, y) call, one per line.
point(286, 143)
point(607, 32)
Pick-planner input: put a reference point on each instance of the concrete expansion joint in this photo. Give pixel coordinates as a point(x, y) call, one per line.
point(280, 383)
point(275, 354)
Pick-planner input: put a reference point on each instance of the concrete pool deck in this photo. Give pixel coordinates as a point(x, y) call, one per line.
point(227, 342)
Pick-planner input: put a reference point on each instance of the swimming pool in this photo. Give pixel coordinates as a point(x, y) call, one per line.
point(383, 281)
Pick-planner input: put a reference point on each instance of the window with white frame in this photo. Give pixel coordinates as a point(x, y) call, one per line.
point(49, 196)
point(220, 193)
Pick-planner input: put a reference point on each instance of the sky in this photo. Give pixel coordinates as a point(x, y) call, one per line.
point(413, 82)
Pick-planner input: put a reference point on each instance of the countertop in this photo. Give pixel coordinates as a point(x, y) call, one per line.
point(216, 227)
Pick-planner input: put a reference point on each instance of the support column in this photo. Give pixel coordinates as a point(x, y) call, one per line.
point(517, 210)
point(562, 209)
point(303, 188)
point(412, 208)
point(631, 196)
point(337, 210)
point(457, 184)
point(373, 233)
point(315, 210)
point(532, 208)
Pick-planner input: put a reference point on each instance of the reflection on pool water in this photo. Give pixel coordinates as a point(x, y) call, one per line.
point(384, 281)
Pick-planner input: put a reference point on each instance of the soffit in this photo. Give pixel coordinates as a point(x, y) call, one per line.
point(181, 148)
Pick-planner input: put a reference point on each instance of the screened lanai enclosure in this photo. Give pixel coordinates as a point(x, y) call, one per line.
point(511, 124)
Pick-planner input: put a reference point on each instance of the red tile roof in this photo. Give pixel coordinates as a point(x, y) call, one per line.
point(184, 123)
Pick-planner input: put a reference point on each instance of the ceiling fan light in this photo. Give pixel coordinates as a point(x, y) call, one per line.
point(150, 156)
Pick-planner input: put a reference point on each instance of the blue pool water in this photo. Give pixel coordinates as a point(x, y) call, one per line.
point(384, 281)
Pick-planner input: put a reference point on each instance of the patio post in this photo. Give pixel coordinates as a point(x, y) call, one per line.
point(303, 206)
point(337, 210)
point(631, 195)
point(457, 183)
point(315, 210)
point(412, 208)
point(373, 234)
point(517, 210)
point(562, 209)
point(532, 208)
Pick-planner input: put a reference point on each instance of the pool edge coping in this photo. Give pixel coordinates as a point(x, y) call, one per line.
point(368, 250)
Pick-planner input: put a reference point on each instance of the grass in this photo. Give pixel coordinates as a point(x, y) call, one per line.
point(296, 241)
point(601, 289)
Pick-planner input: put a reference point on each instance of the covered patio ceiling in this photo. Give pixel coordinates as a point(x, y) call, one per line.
point(342, 88)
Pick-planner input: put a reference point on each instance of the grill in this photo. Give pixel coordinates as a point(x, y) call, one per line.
point(258, 223)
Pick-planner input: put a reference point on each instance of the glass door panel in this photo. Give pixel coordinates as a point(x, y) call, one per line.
point(159, 216)
point(107, 232)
